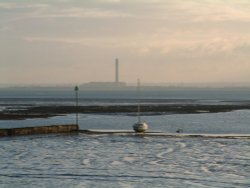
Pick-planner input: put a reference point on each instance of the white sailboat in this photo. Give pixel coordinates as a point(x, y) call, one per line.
point(140, 126)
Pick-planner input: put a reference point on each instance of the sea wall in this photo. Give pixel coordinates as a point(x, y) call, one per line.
point(39, 130)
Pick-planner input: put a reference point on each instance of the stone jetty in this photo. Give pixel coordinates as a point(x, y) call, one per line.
point(39, 130)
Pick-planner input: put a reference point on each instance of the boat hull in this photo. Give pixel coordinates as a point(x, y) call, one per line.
point(140, 127)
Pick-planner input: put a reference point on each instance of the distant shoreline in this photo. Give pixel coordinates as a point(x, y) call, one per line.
point(51, 110)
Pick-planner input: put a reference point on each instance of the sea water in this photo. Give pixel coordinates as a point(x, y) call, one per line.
point(82, 160)
point(123, 161)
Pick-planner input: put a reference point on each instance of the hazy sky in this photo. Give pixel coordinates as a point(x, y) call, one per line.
point(76, 41)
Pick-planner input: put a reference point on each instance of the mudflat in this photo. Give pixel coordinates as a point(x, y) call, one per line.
point(149, 109)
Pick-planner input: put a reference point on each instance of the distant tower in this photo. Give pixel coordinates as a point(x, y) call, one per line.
point(117, 70)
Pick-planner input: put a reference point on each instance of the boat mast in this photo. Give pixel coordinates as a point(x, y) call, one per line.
point(139, 105)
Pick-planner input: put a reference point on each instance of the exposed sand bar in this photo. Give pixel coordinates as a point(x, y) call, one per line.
point(50, 111)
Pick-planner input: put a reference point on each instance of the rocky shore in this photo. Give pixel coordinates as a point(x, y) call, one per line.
point(50, 111)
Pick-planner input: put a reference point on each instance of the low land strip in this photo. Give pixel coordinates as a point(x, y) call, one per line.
point(50, 111)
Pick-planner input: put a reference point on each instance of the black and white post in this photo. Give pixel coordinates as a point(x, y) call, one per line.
point(76, 91)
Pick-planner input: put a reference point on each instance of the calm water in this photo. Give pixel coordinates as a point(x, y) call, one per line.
point(129, 161)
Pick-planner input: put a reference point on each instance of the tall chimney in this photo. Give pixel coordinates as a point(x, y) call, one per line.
point(116, 70)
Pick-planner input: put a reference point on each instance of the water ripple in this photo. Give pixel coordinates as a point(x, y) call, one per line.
point(120, 161)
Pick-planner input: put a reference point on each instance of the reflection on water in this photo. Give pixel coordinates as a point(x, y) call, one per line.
point(123, 161)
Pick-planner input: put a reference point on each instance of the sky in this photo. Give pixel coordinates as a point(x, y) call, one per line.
point(158, 41)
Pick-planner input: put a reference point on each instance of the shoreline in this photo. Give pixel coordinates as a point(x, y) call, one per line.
point(31, 112)
point(74, 129)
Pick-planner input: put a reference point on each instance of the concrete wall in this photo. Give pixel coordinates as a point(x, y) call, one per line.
point(39, 130)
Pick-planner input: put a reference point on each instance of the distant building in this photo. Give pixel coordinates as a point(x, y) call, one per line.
point(107, 85)
point(117, 70)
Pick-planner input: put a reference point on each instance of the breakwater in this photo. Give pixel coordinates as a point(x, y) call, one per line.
point(39, 130)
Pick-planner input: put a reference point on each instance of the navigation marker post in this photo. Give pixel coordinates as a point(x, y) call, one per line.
point(76, 91)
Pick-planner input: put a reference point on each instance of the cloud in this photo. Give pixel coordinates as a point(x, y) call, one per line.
point(165, 41)
point(176, 34)
point(175, 10)
point(4, 28)
point(94, 42)
point(198, 11)
point(165, 36)
point(43, 11)
point(14, 12)
point(76, 12)
point(22, 5)
point(191, 43)
point(219, 13)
